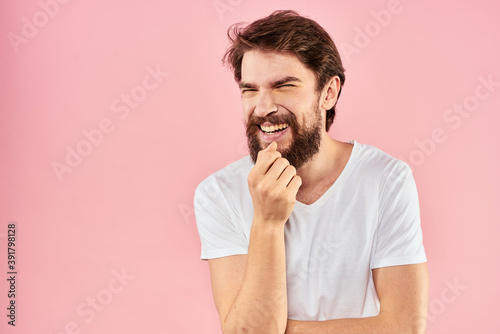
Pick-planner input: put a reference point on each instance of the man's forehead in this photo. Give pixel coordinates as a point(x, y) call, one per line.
point(271, 66)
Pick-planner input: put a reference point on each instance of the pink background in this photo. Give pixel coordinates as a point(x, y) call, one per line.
point(127, 205)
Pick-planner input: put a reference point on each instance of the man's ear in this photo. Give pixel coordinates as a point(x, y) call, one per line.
point(330, 93)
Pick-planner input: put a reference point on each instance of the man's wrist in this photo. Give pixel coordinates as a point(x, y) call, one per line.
point(267, 225)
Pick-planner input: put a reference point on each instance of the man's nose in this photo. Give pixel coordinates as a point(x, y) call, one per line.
point(265, 104)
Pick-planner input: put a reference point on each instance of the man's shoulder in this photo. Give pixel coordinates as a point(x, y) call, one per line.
point(375, 160)
point(233, 176)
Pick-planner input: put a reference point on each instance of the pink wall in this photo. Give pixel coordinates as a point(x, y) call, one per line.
point(115, 226)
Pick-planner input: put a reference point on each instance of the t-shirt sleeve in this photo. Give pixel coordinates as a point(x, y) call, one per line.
point(399, 238)
point(219, 234)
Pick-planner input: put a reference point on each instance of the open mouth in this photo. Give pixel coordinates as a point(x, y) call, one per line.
point(273, 128)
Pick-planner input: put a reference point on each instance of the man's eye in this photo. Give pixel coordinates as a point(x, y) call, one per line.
point(247, 90)
point(288, 85)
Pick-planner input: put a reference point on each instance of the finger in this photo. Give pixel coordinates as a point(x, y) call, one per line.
point(295, 184)
point(277, 168)
point(265, 160)
point(286, 176)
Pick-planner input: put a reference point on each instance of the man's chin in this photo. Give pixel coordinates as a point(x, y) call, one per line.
point(256, 144)
point(283, 148)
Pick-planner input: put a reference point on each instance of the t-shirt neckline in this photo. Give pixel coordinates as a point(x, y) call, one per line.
point(337, 182)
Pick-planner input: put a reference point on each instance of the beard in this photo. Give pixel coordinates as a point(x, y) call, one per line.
point(305, 141)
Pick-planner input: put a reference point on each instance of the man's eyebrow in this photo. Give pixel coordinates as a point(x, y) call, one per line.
point(246, 85)
point(279, 82)
point(284, 81)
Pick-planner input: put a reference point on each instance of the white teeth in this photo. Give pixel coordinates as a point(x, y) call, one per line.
point(274, 127)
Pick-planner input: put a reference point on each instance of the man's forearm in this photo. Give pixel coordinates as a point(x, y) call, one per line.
point(372, 325)
point(261, 304)
point(339, 326)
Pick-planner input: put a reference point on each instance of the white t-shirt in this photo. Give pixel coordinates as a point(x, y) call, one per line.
point(369, 218)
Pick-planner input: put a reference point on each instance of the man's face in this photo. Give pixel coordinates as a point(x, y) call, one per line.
point(280, 103)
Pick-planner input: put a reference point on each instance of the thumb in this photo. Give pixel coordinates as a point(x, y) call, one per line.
point(272, 147)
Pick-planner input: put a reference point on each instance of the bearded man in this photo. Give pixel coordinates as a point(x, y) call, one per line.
point(307, 234)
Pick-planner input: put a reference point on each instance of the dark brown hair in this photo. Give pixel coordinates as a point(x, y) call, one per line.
point(287, 31)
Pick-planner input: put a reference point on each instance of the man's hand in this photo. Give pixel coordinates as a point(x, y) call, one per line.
point(273, 185)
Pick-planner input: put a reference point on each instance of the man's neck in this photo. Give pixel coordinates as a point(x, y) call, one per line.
point(319, 174)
